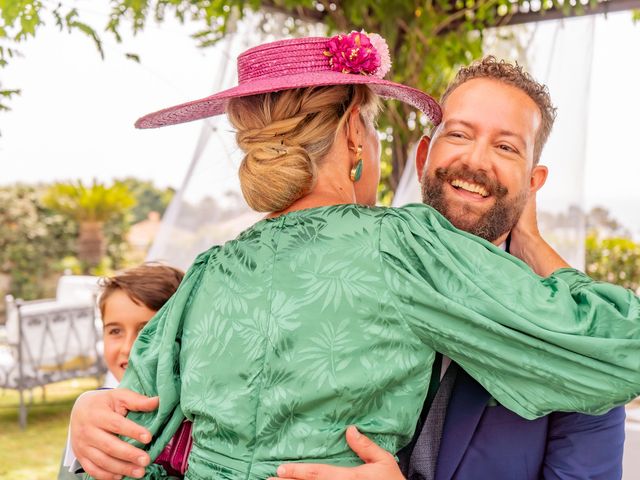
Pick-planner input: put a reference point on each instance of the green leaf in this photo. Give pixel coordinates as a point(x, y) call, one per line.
point(90, 32)
point(9, 93)
point(70, 16)
point(133, 56)
point(112, 26)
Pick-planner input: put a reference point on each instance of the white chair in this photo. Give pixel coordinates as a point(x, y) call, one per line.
point(77, 288)
point(51, 340)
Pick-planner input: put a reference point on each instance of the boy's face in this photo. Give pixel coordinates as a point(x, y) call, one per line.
point(123, 319)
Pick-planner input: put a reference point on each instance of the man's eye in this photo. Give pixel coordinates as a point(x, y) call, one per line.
point(507, 148)
point(456, 134)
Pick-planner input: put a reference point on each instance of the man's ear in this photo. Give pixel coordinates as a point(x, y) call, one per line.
point(421, 154)
point(539, 175)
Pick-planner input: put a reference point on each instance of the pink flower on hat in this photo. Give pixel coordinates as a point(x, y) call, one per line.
point(359, 53)
point(380, 44)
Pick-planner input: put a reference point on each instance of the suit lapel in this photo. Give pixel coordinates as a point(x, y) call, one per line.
point(466, 405)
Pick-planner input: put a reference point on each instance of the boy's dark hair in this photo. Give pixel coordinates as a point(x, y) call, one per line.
point(150, 284)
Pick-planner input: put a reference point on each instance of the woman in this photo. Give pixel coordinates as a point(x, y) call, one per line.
point(329, 312)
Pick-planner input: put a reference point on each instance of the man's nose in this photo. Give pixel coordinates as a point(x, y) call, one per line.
point(477, 157)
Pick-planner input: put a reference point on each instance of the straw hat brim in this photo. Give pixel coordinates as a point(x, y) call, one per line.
point(216, 104)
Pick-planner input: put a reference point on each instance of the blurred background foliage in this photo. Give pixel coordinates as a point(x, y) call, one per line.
point(40, 227)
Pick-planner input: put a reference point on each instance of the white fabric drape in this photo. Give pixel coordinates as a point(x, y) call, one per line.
point(208, 209)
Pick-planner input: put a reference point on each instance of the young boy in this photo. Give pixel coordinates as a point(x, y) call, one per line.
point(127, 302)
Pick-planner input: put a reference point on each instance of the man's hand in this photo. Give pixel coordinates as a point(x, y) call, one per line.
point(95, 418)
point(379, 464)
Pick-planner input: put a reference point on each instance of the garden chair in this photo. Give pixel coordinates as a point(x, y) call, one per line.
point(50, 341)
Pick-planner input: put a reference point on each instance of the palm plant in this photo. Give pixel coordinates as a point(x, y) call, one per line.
point(90, 206)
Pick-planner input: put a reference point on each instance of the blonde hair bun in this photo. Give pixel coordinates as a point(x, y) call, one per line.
point(273, 176)
point(286, 134)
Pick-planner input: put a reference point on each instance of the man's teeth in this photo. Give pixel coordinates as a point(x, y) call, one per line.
point(470, 187)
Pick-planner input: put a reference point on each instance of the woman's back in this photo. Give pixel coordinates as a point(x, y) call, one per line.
point(291, 338)
point(327, 317)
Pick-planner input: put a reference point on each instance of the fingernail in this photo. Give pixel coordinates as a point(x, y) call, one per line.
point(281, 471)
point(145, 437)
point(138, 472)
point(356, 433)
point(142, 460)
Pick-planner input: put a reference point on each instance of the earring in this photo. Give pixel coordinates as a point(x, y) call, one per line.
point(356, 171)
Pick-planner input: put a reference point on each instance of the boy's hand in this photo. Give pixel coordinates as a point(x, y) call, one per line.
point(95, 420)
point(379, 464)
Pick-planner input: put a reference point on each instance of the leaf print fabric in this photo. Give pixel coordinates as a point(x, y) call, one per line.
point(327, 317)
point(482, 300)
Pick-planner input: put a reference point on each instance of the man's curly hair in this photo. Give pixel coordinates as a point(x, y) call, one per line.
point(511, 74)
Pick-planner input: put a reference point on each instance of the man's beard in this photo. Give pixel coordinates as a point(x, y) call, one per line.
point(491, 225)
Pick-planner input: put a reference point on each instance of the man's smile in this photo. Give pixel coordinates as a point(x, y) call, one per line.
point(468, 191)
point(474, 189)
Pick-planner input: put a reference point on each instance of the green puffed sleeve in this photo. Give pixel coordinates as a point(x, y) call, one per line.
point(538, 345)
point(154, 366)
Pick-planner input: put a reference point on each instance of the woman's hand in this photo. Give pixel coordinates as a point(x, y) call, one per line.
point(526, 231)
point(95, 420)
point(528, 245)
point(379, 464)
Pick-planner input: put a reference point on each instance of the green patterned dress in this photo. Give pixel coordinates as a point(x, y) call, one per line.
point(277, 341)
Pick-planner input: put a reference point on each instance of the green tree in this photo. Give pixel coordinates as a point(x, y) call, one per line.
point(91, 207)
point(615, 260)
point(600, 222)
point(428, 40)
point(611, 256)
point(32, 240)
point(149, 198)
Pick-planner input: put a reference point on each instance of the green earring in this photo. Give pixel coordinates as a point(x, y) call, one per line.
point(356, 171)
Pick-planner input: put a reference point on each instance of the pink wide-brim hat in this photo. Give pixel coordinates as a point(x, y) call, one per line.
point(284, 65)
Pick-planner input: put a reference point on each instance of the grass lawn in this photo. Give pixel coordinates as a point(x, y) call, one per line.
point(34, 453)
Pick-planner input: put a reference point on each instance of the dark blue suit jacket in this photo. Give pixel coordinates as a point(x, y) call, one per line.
point(490, 442)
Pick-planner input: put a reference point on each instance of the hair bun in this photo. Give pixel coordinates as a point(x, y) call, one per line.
point(286, 135)
point(273, 176)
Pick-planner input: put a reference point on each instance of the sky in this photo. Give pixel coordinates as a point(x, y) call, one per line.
point(74, 118)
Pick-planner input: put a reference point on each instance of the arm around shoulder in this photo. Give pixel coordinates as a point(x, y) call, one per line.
point(537, 344)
